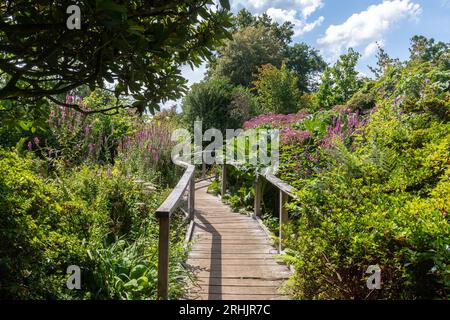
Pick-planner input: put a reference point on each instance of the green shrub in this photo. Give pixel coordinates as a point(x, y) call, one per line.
point(93, 217)
point(35, 246)
point(382, 200)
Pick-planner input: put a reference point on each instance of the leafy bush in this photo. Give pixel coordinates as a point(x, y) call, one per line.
point(93, 217)
point(75, 138)
point(35, 246)
point(146, 153)
point(210, 102)
point(373, 181)
point(277, 90)
point(378, 199)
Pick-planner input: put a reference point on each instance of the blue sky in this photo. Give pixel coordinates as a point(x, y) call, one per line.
point(332, 26)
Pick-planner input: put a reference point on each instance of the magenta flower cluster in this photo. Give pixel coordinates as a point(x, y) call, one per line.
point(274, 120)
point(152, 140)
point(289, 135)
point(342, 130)
point(69, 123)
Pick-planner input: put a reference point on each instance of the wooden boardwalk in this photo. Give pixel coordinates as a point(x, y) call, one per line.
point(231, 256)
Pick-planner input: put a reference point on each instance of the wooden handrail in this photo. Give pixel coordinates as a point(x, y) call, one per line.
point(285, 189)
point(163, 213)
point(281, 185)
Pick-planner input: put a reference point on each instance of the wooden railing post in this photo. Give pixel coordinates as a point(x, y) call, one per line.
point(191, 203)
point(163, 258)
point(283, 217)
point(224, 180)
point(258, 196)
point(203, 169)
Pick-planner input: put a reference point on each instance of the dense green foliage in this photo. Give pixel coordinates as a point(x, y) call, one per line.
point(137, 46)
point(258, 40)
point(341, 82)
point(372, 179)
point(307, 64)
point(250, 48)
point(69, 197)
point(277, 90)
point(77, 217)
point(218, 104)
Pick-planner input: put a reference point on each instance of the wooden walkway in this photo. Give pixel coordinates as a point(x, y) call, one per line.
point(231, 255)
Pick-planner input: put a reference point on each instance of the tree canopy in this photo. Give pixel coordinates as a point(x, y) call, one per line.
point(258, 40)
point(277, 89)
point(339, 83)
point(307, 63)
point(283, 32)
point(250, 48)
point(136, 46)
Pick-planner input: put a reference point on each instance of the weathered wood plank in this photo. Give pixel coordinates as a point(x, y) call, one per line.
point(239, 297)
point(281, 185)
point(232, 261)
point(171, 203)
point(259, 283)
point(228, 290)
point(232, 257)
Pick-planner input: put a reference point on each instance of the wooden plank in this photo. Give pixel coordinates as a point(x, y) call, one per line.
point(236, 242)
point(238, 297)
point(235, 250)
point(171, 203)
point(237, 223)
point(259, 283)
point(163, 258)
point(226, 255)
point(281, 185)
point(228, 290)
point(248, 272)
point(232, 262)
point(191, 203)
point(224, 180)
point(231, 237)
point(258, 197)
point(284, 219)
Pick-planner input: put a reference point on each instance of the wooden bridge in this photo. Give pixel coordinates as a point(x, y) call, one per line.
point(232, 256)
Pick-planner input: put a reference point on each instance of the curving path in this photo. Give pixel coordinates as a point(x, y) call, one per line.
point(231, 255)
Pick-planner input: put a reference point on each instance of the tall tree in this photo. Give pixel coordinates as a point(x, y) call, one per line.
point(209, 101)
point(384, 61)
point(283, 32)
point(423, 49)
point(325, 92)
point(339, 83)
point(277, 89)
point(135, 46)
point(346, 77)
point(307, 63)
point(250, 48)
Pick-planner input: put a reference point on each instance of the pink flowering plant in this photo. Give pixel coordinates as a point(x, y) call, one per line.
point(75, 137)
point(146, 152)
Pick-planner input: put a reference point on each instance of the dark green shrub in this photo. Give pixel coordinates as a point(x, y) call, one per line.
point(92, 217)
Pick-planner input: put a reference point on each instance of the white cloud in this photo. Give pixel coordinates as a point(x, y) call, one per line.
point(305, 7)
point(366, 27)
point(300, 26)
point(308, 7)
point(295, 11)
point(372, 47)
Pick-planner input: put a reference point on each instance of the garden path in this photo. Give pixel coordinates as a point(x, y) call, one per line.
point(232, 256)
